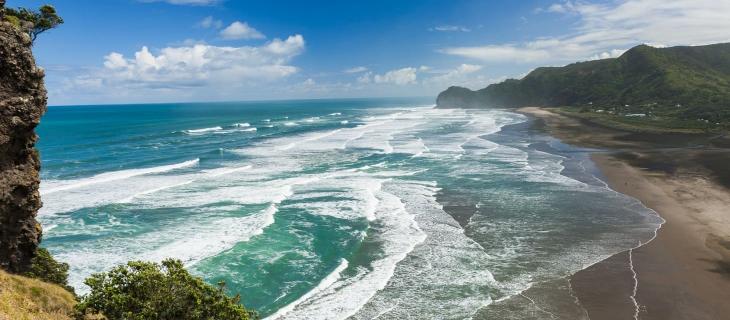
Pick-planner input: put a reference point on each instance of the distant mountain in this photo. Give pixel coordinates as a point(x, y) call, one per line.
point(684, 82)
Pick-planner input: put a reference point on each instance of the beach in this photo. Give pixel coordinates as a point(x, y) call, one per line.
point(684, 272)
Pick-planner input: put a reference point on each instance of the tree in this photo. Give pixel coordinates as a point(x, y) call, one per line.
point(34, 22)
point(144, 290)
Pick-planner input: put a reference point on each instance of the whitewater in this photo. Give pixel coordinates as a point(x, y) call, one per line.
point(334, 209)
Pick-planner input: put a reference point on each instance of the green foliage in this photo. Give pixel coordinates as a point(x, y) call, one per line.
point(13, 20)
point(691, 84)
point(44, 267)
point(34, 22)
point(144, 290)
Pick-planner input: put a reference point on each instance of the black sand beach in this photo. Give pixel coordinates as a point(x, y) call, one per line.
point(684, 273)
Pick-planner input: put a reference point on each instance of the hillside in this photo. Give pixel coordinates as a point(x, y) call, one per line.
point(688, 83)
point(26, 298)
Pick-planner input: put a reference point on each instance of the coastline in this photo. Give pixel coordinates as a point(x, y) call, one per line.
point(684, 272)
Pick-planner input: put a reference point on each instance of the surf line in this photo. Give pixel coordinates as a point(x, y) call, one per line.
point(119, 175)
point(637, 307)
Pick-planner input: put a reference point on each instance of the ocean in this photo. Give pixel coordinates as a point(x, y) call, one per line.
point(335, 209)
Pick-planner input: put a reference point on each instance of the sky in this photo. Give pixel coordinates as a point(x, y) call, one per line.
point(148, 51)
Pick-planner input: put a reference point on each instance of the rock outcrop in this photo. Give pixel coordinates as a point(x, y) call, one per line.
point(458, 97)
point(22, 102)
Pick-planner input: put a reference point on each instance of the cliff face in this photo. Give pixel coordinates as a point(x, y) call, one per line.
point(22, 102)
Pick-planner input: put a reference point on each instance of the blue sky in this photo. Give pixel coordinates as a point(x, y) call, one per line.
point(128, 51)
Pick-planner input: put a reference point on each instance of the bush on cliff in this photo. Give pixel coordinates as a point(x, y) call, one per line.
point(144, 290)
point(44, 267)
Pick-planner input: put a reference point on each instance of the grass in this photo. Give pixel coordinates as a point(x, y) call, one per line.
point(649, 124)
point(24, 298)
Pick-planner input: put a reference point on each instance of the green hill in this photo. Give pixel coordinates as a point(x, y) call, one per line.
point(677, 83)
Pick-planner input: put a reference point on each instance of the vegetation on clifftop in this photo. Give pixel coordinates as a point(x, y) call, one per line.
point(687, 87)
point(145, 290)
point(34, 22)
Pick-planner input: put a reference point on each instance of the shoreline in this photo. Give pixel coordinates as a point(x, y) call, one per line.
point(684, 272)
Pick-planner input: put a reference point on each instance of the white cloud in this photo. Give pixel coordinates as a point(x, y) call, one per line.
point(401, 76)
point(365, 78)
point(561, 7)
point(116, 60)
point(240, 30)
point(210, 22)
point(605, 29)
point(408, 80)
point(496, 53)
point(450, 28)
point(291, 46)
point(608, 54)
point(198, 66)
point(463, 75)
point(356, 69)
point(465, 69)
point(87, 82)
point(309, 82)
point(313, 89)
point(430, 78)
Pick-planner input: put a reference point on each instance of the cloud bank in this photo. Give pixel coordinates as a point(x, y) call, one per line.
point(186, 69)
point(402, 76)
point(606, 29)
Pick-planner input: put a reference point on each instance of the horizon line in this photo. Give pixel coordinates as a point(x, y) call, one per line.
point(233, 101)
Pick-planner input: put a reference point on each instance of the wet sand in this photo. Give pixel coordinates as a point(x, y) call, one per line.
point(684, 273)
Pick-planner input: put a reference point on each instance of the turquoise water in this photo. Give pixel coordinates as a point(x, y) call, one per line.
point(329, 209)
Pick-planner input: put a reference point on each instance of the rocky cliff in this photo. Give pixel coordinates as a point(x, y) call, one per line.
point(22, 102)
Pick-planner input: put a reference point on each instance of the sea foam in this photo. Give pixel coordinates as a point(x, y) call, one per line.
point(48, 187)
point(325, 283)
point(203, 130)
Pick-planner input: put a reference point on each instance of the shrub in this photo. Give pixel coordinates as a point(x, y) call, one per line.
point(145, 290)
point(13, 20)
point(44, 267)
